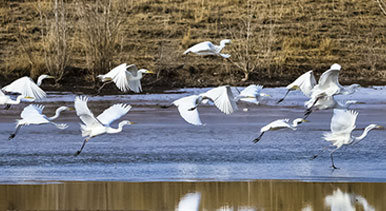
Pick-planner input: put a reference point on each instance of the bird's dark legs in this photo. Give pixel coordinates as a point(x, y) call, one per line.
point(14, 134)
point(103, 85)
point(332, 159)
point(191, 109)
point(7, 106)
point(84, 143)
point(166, 106)
point(307, 113)
point(258, 138)
point(315, 156)
point(283, 97)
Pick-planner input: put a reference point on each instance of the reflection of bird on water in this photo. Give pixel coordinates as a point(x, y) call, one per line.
point(305, 83)
point(125, 77)
point(342, 125)
point(33, 115)
point(222, 97)
point(189, 202)
point(340, 201)
point(279, 124)
point(101, 124)
point(27, 87)
point(208, 48)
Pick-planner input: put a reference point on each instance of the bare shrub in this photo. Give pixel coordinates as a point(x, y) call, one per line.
point(100, 33)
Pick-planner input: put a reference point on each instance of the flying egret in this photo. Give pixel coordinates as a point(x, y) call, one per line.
point(7, 101)
point(305, 83)
point(221, 96)
point(126, 77)
point(27, 87)
point(208, 48)
point(101, 124)
point(189, 202)
point(279, 124)
point(342, 125)
point(33, 115)
point(251, 94)
point(327, 102)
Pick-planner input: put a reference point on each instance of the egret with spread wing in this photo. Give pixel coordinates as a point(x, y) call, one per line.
point(27, 87)
point(208, 48)
point(327, 102)
point(126, 77)
point(279, 124)
point(305, 83)
point(342, 125)
point(101, 124)
point(251, 94)
point(8, 101)
point(33, 115)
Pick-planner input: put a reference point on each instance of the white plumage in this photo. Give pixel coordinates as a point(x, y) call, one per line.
point(126, 77)
point(305, 83)
point(251, 94)
point(208, 48)
point(189, 202)
point(27, 87)
point(33, 115)
point(101, 124)
point(184, 105)
point(279, 124)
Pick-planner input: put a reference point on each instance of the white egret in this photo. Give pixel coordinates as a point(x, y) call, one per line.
point(327, 102)
point(126, 77)
point(279, 124)
point(208, 48)
point(305, 83)
point(251, 94)
point(342, 125)
point(101, 124)
point(27, 87)
point(189, 202)
point(8, 101)
point(33, 115)
point(221, 96)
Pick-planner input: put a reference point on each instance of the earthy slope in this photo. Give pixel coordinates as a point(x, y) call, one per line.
point(286, 39)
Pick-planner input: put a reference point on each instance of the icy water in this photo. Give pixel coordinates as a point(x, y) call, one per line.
point(162, 157)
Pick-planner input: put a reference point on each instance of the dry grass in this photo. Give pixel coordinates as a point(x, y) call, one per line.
point(286, 38)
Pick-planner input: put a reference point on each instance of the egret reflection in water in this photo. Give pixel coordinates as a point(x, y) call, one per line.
point(341, 201)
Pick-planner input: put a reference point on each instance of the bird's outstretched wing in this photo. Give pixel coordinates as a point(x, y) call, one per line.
point(223, 98)
point(328, 84)
point(2, 93)
point(184, 106)
point(33, 114)
point(26, 87)
point(113, 113)
point(250, 94)
point(343, 121)
point(118, 74)
point(205, 47)
point(306, 82)
point(84, 112)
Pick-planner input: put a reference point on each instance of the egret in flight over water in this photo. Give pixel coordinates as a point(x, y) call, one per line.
point(251, 94)
point(27, 87)
point(305, 83)
point(279, 124)
point(342, 125)
point(8, 101)
point(126, 77)
point(33, 115)
point(221, 96)
point(101, 124)
point(208, 48)
point(327, 102)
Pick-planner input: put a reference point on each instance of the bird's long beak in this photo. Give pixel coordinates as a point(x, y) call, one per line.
point(304, 120)
point(71, 109)
point(150, 72)
point(50, 76)
point(380, 127)
point(360, 102)
point(132, 122)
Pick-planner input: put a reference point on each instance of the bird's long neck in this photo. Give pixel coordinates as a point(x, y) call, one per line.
point(364, 134)
point(295, 123)
point(116, 130)
point(40, 80)
point(220, 47)
point(57, 114)
point(139, 76)
point(350, 89)
point(17, 101)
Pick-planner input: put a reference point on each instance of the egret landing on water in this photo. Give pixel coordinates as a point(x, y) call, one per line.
point(342, 125)
point(33, 115)
point(279, 124)
point(26, 87)
point(101, 124)
point(126, 77)
point(208, 48)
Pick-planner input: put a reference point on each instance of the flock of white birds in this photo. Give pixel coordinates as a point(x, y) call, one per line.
point(127, 77)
